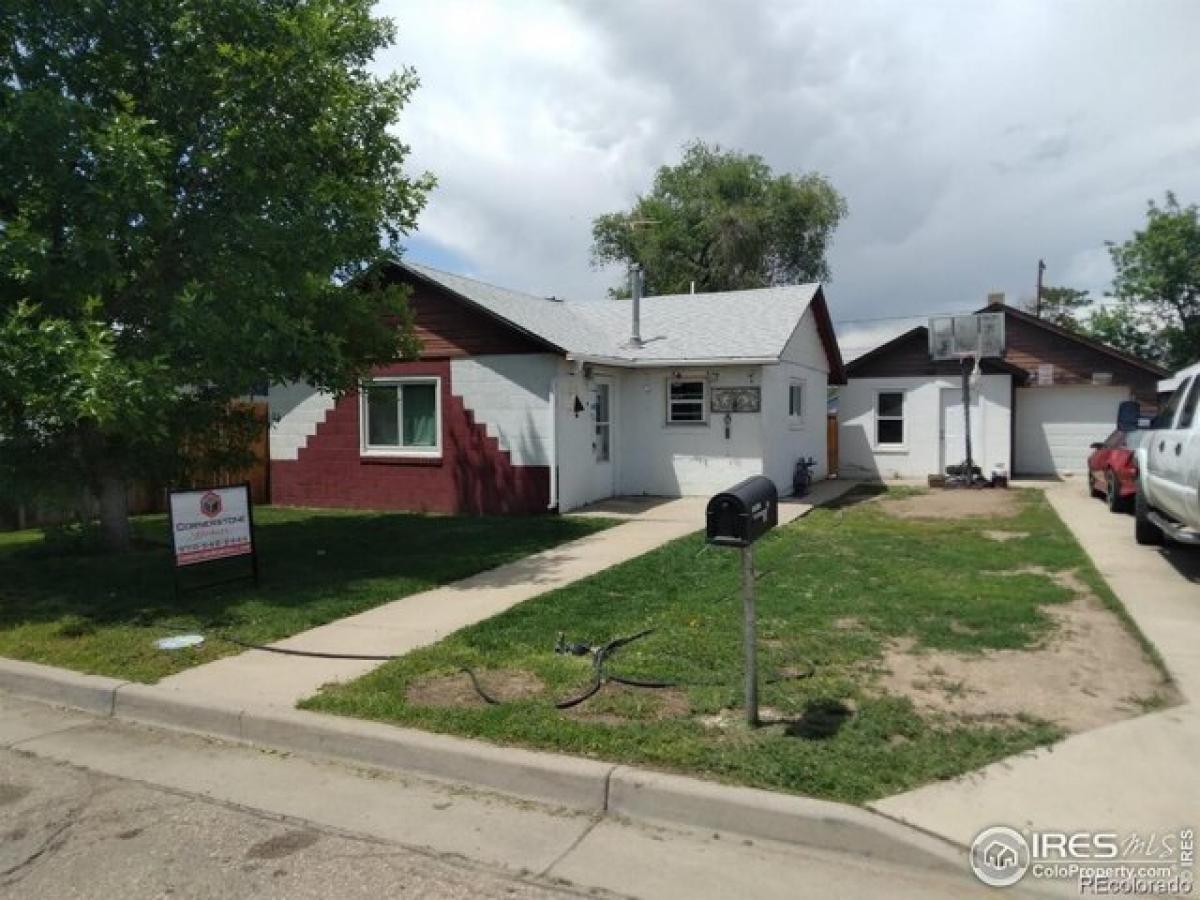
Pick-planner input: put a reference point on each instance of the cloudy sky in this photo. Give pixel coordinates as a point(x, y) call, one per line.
point(969, 139)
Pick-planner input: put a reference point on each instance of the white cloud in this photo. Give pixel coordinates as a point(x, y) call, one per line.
point(969, 139)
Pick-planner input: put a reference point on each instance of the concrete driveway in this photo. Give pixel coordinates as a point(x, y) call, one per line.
point(1142, 774)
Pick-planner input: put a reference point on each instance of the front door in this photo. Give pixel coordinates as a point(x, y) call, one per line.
point(953, 430)
point(603, 438)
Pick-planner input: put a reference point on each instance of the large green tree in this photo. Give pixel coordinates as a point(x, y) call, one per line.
point(1123, 326)
point(190, 195)
point(723, 220)
point(1158, 277)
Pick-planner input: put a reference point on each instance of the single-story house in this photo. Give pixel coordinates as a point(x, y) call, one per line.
point(520, 404)
point(1034, 411)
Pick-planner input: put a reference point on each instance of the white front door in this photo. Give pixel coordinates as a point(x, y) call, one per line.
point(953, 430)
point(603, 437)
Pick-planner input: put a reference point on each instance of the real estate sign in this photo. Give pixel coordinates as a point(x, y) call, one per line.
point(211, 523)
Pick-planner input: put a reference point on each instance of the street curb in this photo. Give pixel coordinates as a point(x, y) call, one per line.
point(580, 784)
point(642, 794)
point(561, 780)
point(90, 693)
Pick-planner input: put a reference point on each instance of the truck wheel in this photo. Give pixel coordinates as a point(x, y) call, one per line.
point(1091, 486)
point(1112, 494)
point(1146, 532)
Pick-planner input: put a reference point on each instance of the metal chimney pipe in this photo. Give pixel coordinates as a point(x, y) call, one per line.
point(635, 291)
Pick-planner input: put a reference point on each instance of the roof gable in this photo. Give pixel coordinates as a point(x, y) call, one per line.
point(711, 327)
point(1012, 314)
point(908, 355)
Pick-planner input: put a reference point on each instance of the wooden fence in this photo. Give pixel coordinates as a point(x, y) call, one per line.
point(147, 496)
point(831, 432)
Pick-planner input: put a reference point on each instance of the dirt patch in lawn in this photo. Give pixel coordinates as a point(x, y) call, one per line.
point(620, 704)
point(1003, 536)
point(1090, 672)
point(955, 504)
point(457, 691)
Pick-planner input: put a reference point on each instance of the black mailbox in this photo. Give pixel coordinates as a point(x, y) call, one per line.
point(741, 515)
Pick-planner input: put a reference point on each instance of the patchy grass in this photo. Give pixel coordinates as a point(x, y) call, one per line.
point(64, 605)
point(837, 589)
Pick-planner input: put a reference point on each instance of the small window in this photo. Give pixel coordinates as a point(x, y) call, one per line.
point(889, 418)
point(1189, 409)
point(687, 402)
point(796, 401)
point(402, 416)
point(603, 444)
point(1167, 415)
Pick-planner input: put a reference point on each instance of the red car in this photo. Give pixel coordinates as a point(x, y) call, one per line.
point(1112, 472)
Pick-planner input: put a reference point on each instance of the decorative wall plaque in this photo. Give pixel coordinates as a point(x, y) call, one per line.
point(736, 399)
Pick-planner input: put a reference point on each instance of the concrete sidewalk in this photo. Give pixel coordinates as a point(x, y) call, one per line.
point(259, 679)
point(1139, 775)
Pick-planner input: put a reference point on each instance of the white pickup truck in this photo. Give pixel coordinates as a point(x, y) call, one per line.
point(1168, 461)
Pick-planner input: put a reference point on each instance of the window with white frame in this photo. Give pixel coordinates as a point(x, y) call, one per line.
point(889, 418)
point(687, 402)
point(402, 417)
point(796, 401)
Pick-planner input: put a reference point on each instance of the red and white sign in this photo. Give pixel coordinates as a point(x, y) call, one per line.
point(211, 523)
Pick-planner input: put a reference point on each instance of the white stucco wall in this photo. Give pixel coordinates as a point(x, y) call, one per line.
point(581, 479)
point(786, 440)
point(296, 410)
point(678, 460)
point(509, 395)
point(920, 456)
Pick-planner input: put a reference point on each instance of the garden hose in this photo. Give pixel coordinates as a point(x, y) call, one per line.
point(600, 677)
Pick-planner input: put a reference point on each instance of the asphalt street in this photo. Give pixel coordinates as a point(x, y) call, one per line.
point(66, 832)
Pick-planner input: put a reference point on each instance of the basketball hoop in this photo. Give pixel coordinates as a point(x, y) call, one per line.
point(968, 339)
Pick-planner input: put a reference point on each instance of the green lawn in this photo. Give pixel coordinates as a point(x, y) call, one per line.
point(100, 614)
point(838, 586)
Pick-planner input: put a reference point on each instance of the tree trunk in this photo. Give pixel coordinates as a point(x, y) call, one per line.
point(114, 513)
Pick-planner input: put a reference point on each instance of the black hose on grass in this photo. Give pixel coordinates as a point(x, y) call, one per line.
point(600, 677)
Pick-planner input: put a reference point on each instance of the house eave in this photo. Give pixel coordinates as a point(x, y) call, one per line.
point(626, 363)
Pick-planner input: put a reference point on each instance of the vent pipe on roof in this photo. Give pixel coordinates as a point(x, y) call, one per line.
point(635, 291)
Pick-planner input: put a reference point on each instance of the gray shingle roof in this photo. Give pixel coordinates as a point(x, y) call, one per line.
point(727, 325)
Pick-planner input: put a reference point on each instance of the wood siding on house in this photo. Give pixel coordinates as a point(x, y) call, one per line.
point(450, 327)
point(1030, 346)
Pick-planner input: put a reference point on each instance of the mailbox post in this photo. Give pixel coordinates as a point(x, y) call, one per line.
point(738, 517)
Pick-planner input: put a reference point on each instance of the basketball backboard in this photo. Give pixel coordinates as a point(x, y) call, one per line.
point(952, 337)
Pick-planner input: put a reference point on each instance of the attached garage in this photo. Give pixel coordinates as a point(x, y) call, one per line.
point(1054, 425)
point(1034, 411)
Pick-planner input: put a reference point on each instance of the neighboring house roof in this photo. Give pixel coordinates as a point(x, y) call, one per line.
point(907, 354)
point(918, 338)
point(1076, 337)
point(726, 326)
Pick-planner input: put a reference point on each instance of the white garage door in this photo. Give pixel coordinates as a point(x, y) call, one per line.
point(1055, 425)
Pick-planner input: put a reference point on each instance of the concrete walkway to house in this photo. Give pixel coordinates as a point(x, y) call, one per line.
point(257, 679)
point(1140, 775)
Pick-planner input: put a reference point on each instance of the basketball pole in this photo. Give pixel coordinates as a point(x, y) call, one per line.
point(966, 395)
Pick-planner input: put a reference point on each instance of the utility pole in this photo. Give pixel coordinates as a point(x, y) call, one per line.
point(1037, 302)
